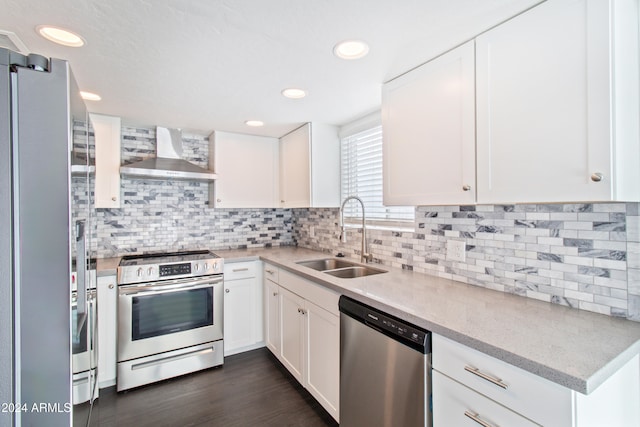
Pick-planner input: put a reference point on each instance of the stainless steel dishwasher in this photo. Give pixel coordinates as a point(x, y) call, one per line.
point(385, 369)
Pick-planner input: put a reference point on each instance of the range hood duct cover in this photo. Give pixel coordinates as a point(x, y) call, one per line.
point(169, 163)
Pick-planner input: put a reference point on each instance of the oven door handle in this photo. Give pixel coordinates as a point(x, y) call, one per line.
point(167, 288)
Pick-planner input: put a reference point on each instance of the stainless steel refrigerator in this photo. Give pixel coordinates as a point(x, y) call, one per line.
point(39, 103)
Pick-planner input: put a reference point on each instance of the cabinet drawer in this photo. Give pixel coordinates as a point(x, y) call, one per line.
point(270, 272)
point(239, 270)
point(317, 294)
point(534, 397)
point(458, 406)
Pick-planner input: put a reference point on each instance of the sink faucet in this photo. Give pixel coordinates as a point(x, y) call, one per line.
point(365, 256)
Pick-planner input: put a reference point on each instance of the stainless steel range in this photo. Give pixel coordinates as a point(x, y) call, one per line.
point(169, 316)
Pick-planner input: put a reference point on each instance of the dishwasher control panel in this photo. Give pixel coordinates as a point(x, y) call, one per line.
point(400, 330)
point(396, 327)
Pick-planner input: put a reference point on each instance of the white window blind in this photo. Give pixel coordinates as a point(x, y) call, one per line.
point(361, 168)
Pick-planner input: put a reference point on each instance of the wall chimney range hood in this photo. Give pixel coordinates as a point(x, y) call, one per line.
point(168, 164)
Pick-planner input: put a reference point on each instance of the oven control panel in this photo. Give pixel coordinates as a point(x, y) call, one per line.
point(175, 269)
point(152, 272)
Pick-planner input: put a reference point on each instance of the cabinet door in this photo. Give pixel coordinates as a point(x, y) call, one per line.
point(247, 168)
point(241, 313)
point(428, 128)
point(107, 133)
point(325, 166)
point(272, 316)
point(293, 333)
point(107, 325)
point(295, 172)
point(323, 357)
point(543, 118)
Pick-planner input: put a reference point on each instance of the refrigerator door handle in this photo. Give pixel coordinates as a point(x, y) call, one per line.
point(81, 266)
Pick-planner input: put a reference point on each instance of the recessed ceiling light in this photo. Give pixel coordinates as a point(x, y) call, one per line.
point(60, 35)
point(254, 123)
point(294, 93)
point(88, 96)
point(351, 49)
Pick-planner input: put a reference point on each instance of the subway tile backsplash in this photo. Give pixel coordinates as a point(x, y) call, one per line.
point(167, 215)
point(585, 256)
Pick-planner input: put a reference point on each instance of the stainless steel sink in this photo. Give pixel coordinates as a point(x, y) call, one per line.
point(340, 268)
point(353, 272)
point(326, 264)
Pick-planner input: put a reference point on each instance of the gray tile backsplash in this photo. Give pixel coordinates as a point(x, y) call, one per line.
point(165, 215)
point(585, 256)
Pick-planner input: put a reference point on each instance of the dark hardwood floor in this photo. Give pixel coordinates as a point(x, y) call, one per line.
point(250, 389)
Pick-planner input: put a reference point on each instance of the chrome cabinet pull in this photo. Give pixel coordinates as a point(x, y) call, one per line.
point(493, 380)
point(111, 286)
point(275, 294)
point(237, 270)
point(466, 187)
point(270, 271)
point(596, 177)
point(477, 419)
point(227, 291)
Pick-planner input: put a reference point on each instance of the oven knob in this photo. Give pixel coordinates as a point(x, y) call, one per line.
point(140, 272)
point(215, 265)
point(150, 271)
point(206, 266)
point(196, 267)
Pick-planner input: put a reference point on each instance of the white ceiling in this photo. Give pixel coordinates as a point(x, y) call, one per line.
point(205, 65)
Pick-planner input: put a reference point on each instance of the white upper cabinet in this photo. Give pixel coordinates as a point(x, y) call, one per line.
point(557, 104)
point(247, 168)
point(310, 167)
point(428, 122)
point(107, 132)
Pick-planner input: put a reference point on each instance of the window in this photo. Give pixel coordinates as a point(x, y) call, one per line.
point(361, 175)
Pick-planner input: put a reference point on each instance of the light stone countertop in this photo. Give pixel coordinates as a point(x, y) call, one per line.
point(574, 348)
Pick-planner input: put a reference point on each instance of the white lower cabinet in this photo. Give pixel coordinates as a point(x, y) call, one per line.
point(302, 329)
point(107, 330)
point(271, 311)
point(323, 356)
point(469, 384)
point(293, 333)
point(457, 405)
point(242, 307)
